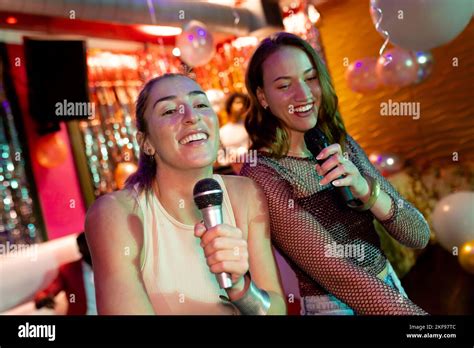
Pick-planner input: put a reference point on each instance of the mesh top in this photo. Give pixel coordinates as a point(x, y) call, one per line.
point(307, 219)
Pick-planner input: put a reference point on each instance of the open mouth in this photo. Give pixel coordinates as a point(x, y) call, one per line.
point(195, 138)
point(304, 110)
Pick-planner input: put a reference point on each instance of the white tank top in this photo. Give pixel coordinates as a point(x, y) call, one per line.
point(172, 262)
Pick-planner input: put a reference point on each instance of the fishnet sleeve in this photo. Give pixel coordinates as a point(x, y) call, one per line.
point(302, 239)
point(406, 224)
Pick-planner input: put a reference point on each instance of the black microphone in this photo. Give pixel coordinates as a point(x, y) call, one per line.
point(208, 198)
point(316, 141)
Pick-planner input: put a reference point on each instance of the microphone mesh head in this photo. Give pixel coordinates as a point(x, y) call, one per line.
point(207, 192)
point(315, 140)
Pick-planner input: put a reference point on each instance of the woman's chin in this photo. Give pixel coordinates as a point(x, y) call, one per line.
point(196, 161)
point(303, 124)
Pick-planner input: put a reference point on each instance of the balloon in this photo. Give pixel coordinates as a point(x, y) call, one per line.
point(51, 150)
point(122, 172)
point(196, 44)
point(421, 24)
point(425, 64)
point(396, 68)
point(453, 219)
point(386, 163)
point(361, 76)
point(466, 256)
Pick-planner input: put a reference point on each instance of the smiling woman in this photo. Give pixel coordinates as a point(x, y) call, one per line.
point(151, 252)
point(291, 93)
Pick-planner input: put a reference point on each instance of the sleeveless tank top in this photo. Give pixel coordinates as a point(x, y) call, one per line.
point(172, 262)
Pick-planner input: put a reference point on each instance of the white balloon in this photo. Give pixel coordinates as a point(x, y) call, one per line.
point(422, 24)
point(453, 219)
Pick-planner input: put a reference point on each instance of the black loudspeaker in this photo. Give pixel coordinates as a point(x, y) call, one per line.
point(57, 82)
point(273, 16)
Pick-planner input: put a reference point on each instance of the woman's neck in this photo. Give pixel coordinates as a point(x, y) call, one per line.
point(174, 189)
point(297, 144)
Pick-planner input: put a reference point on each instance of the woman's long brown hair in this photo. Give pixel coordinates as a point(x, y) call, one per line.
point(265, 129)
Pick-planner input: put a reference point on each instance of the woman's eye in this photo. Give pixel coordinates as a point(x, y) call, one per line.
point(312, 78)
point(169, 112)
point(201, 106)
point(283, 87)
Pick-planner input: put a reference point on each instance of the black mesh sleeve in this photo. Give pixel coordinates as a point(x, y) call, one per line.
point(405, 223)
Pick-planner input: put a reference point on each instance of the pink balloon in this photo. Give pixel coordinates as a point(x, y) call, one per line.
point(361, 76)
point(397, 68)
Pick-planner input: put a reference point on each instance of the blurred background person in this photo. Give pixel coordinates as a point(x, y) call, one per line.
point(234, 137)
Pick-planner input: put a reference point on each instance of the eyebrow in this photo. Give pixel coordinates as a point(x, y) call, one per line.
point(289, 77)
point(170, 97)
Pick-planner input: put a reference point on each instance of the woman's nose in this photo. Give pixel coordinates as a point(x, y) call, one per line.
point(190, 116)
point(302, 92)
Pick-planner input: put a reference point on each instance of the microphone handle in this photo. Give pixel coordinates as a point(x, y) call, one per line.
point(212, 216)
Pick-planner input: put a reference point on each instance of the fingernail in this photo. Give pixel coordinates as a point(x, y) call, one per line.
point(319, 156)
point(336, 182)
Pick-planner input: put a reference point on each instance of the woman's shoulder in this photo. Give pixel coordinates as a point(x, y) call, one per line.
point(245, 196)
point(237, 183)
point(118, 202)
point(114, 220)
point(240, 188)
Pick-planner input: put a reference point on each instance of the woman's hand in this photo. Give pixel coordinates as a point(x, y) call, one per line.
point(225, 251)
point(337, 165)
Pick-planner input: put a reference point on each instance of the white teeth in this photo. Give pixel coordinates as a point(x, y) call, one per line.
point(304, 108)
point(193, 137)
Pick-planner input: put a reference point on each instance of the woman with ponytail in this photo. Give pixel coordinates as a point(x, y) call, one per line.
point(150, 250)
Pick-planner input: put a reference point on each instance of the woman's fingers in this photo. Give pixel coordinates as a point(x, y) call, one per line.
point(236, 254)
point(334, 174)
point(199, 229)
point(328, 151)
point(331, 163)
point(225, 249)
point(223, 243)
point(222, 230)
point(235, 268)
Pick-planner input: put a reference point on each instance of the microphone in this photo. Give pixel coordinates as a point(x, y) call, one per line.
point(208, 198)
point(316, 141)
